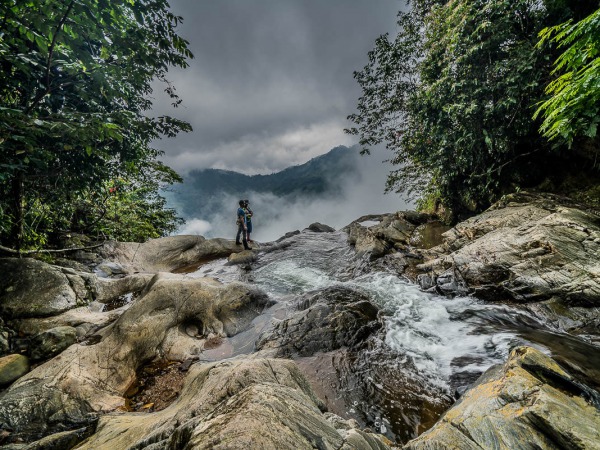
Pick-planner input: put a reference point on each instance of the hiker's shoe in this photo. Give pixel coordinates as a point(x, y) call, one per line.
point(248, 248)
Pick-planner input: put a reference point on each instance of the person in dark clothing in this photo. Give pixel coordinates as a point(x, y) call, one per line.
point(248, 220)
point(242, 226)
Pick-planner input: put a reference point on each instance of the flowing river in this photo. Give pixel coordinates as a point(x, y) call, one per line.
point(439, 344)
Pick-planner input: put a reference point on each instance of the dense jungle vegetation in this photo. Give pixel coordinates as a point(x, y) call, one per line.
point(75, 140)
point(474, 98)
point(480, 98)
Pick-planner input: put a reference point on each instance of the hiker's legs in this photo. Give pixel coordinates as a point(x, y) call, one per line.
point(245, 240)
point(243, 233)
point(249, 226)
point(240, 231)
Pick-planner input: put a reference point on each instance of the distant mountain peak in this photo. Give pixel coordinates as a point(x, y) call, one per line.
point(202, 190)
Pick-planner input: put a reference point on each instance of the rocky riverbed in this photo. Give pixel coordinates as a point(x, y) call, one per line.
point(395, 332)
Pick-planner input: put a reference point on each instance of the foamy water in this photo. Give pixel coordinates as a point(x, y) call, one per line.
point(442, 336)
point(404, 379)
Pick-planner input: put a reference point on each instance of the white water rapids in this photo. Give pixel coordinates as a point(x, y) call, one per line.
point(431, 345)
point(444, 337)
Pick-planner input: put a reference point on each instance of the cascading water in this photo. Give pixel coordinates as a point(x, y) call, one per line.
point(443, 343)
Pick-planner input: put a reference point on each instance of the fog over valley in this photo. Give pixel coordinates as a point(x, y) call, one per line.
point(357, 191)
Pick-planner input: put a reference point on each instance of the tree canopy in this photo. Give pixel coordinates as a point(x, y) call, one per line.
point(453, 95)
point(75, 84)
point(574, 106)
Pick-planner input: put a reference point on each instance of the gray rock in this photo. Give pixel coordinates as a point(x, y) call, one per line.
point(529, 403)
point(236, 404)
point(392, 232)
point(71, 389)
point(12, 367)
point(525, 248)
point(366, 242)
point(166, 254)
point(31, 288)
point(320, 228)
point(109, 268)
point(426, 281)
point(51, 342)
point(243, 257)
point(288, 235)
point(327, 320)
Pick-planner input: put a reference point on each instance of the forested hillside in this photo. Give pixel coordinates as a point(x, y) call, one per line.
point(480, 98)
point(203, 192)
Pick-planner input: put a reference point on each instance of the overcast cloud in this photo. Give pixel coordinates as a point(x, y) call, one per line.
point(271, 82)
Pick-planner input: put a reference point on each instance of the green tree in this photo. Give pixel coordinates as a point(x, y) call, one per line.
point(75, 80)
point(451, 97)
point(574, 106)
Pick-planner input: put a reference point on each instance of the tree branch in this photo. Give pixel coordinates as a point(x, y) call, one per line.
point(500, 167)
point(40, 96)
point(33, 252)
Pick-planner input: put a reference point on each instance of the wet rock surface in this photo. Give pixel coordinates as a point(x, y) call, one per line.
point(335, 337)
point(530, 402)
point(243, 257)
point(326, 320)
point(166, 254)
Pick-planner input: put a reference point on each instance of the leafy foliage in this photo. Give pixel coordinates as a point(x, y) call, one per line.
point(75, 77)
point(125, 210)
point(574, 106)
point(451, 97)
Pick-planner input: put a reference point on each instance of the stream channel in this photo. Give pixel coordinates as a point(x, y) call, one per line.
point(429, 349)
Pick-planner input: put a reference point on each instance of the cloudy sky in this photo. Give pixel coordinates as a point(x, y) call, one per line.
point(271, 82)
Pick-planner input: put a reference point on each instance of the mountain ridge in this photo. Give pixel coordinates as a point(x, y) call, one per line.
point(203, 190)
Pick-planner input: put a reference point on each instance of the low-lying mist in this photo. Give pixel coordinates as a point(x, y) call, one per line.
point(274, 216)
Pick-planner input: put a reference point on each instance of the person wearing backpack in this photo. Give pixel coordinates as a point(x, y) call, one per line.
point(242, 226)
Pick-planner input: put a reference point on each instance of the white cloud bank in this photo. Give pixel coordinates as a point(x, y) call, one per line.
point(274, 216)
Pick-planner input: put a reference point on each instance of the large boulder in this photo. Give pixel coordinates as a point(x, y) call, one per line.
point(167, 254)
point(336, 337)
point(31, 288)
point(12, 367)
point(69, 391)
point(525, 248)
point(318, 227)
point(34, 289)
point(529, 403)
point(51, 342)
point(326, 320)
point(236, 404)
point(377, 235)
